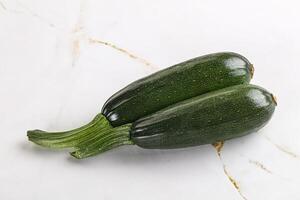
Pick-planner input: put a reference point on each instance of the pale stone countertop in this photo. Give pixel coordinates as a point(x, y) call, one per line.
point(61, 59)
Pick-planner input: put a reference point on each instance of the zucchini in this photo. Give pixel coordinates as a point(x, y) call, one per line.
point(174, 84)
point(215, 116)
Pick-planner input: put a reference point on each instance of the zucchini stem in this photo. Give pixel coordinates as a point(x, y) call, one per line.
point(96, 137)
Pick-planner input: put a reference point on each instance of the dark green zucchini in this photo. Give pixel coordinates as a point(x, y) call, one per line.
point(216, 116)
point(174, 84)
point(219, 115)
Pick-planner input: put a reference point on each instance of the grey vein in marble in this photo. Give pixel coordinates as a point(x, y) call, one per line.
point(29, 12)
point(260, 166)
point(2, 6)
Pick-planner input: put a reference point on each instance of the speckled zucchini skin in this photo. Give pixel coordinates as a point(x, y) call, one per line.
point(216, 116)
point(176, 83)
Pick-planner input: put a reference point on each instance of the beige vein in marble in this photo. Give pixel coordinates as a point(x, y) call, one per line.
point(76, 38)
point(218, 146)
point(75, 51)
point(78, 34)
point(126, 52)
point(282, 149)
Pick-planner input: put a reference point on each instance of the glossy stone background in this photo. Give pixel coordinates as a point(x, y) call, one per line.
point(61, 59)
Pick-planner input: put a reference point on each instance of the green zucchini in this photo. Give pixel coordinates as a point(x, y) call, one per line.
point(215, 116)
point(174, 84)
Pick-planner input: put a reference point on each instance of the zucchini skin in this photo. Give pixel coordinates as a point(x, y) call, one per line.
point(216, 116)
point(174, 84)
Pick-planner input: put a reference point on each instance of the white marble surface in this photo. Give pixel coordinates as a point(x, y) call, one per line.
point(61, 59)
